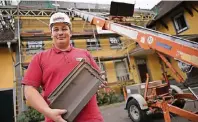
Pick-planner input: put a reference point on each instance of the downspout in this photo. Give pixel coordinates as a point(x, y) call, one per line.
point(14, 79)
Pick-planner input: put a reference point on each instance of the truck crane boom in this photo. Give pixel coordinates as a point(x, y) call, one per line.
point(178, 48)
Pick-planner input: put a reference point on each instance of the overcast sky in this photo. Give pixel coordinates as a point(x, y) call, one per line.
point(143, 4)
point(146, 4)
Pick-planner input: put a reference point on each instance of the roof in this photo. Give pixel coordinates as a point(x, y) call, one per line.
point(7, 35)
point(191, 37)
point(78, 5)
point(64, 4)
point(138, 51)
point(163, 8)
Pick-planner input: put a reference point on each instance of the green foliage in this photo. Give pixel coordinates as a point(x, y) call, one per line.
point(105, 98)
point(31, 115)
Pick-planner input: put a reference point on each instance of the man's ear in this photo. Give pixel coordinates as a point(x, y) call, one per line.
point(50, 28)
point(50, 31)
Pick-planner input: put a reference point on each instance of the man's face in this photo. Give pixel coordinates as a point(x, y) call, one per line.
point(61, 35)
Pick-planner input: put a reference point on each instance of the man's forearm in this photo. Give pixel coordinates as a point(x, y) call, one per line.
point(36, 100)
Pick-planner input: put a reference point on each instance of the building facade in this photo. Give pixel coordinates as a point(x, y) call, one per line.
point(177, 18)
point(29, 34)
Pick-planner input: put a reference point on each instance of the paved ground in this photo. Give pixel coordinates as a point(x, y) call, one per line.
point(116, 113)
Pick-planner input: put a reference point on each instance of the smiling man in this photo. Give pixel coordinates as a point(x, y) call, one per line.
point(48, 68)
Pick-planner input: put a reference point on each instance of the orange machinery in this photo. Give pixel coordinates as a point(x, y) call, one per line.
point(164, 44)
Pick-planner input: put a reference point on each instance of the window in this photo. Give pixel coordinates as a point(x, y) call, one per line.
point(101, 65)
point(72, 42)
point(93, 44)
point(121, 71)
point(34, 47)
point(115, 42)
point(180, 23)
point(102, 68)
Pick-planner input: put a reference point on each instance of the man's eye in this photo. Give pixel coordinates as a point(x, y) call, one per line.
point(65, 29)
point(55, 29)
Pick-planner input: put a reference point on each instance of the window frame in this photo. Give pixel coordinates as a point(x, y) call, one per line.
point(72, 43)
point(126, 76)
point(95, 46)
point(34, 47)
point(175, 23)
point(117, 45)
point(102, 68)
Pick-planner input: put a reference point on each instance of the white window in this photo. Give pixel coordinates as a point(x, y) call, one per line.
point(93, 44)
point(72, 42)
point(121, 71)
point(180, 23)
point(140, 61)
point(34, 47)
point(102, 68)
point(35, 44)
point(115, 42)
point(101, 65)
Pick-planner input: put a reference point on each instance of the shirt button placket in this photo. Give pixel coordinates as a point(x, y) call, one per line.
point(66, 57)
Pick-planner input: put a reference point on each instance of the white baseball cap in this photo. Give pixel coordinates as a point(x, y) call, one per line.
point(59, 17)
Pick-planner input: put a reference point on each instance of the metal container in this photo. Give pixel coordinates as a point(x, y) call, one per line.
point(139, 88)
point(76, 90)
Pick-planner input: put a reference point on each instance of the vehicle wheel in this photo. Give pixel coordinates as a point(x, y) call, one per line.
point(178, 103)
point(135, 113)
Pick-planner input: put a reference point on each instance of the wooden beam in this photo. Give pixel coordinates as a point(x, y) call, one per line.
point(194, 8)
point(188, 9)
point(163, 24)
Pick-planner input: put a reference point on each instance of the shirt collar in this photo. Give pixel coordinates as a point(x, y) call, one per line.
point(59, 51)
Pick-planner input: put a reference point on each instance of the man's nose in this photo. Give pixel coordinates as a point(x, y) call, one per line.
point(60, 32)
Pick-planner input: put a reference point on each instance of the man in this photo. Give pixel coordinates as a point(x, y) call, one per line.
point(48, 68)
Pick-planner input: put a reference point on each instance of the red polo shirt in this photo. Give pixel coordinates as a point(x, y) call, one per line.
point(50, 67)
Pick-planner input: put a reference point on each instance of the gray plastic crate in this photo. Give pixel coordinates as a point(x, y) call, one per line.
point(76, 90)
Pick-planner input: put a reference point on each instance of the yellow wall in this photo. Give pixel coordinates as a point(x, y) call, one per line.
point(48, 44)
point(78, 25)
point(80, 43)
point(36, 23)
point(106, 50)
point(191, 22)
point(192, 29)
point(42, 23)
point(81, 26)
point(154, 67)
point(171, 29)
point(110, 70)
point(6, 69)
point(175, 65)
point(134, 70)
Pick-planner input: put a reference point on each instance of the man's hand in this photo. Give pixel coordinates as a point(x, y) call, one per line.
point(55, 114)
point(103, 85)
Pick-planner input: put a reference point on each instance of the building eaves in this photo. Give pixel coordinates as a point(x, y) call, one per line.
point(162, 9)
point(192, 37)
point(138, 51)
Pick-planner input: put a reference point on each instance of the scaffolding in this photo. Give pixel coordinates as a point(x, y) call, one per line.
point(19, 12)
